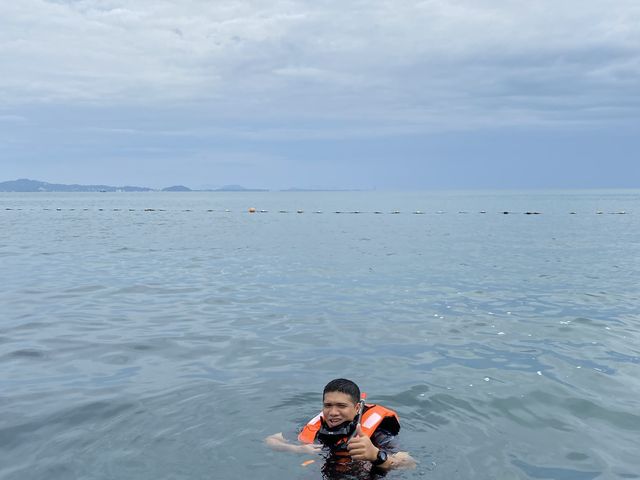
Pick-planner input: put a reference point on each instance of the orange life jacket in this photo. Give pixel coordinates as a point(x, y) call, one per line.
point(371, 419)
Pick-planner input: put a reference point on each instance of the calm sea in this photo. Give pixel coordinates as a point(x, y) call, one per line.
point(164, 335)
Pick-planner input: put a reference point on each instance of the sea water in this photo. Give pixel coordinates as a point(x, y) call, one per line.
point(164, 335)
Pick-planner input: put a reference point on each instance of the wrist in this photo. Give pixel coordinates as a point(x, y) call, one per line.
point(381, 458)
point(375, 453)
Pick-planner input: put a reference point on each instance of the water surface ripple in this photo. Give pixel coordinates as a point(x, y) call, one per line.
point(164, 335)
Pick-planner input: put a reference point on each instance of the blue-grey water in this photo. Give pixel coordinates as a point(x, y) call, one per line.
point(157, 335)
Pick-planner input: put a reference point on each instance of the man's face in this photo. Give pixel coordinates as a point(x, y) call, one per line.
point(338, 407)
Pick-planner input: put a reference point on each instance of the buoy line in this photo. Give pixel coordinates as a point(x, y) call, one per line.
point(253, 210)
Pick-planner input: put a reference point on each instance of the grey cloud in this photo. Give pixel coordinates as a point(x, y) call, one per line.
point(398, 64)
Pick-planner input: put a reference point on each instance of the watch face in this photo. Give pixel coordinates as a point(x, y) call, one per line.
point(382, 457)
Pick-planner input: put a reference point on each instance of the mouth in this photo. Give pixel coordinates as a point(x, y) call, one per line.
point(332, 422)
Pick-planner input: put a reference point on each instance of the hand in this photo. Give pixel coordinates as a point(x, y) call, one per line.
point(361, 448)
point(402, 460)
point(276, 441)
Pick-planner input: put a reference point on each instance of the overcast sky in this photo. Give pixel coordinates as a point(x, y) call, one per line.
point(322, 94)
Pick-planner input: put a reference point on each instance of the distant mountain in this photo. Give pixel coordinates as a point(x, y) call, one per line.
point(26, 185)
point(238, 188)
point(177, 188)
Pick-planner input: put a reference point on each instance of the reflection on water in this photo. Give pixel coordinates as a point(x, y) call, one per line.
point(168, 343)
point(353, 470)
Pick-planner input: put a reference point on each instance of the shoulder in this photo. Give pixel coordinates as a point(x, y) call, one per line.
point(310, 430)
point(379, 417)
point(386, 426)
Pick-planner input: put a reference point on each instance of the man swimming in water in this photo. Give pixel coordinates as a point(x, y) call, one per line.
point(349, 429)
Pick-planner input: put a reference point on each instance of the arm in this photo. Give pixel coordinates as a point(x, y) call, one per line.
point(361, 448)
point(279, 443)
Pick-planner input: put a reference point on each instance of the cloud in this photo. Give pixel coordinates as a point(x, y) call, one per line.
point(381, 65)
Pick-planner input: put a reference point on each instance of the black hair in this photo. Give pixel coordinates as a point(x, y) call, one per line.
point(343, 385)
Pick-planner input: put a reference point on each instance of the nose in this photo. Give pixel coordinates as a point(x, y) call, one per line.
point(333, 411)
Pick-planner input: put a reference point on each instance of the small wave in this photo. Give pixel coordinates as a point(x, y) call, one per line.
point(148, 290)
point(555, 473)
point(28, 353)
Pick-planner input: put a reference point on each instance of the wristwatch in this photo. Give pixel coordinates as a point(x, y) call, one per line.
point(381, 458)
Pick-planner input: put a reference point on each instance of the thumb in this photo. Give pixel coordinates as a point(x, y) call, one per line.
point(359, 431)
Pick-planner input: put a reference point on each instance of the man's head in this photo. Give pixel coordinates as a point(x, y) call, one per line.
point(340, 399)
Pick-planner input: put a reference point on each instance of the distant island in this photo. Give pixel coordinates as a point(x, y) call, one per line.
point(177, 188)
point(26, 185)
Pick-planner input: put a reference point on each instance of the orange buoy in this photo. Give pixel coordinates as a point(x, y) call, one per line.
point(307, 463)
point(252, 210)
